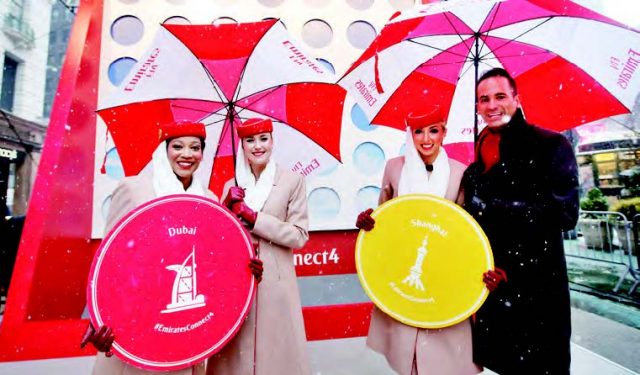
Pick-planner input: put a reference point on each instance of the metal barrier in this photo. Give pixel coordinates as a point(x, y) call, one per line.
point(607, 237)
point(636, 242)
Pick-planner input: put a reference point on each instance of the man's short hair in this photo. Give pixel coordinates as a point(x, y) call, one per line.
point(499, 72)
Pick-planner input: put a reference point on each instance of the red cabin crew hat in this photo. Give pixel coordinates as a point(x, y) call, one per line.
point(418, 120)
point(182, 129)
point(254, 126)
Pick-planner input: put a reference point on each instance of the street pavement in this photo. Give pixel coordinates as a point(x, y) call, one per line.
point(611, 340)
point(600, 346)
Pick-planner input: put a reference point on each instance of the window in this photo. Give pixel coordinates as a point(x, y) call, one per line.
point(11, 187)
point(9, 74)
point(606, 165)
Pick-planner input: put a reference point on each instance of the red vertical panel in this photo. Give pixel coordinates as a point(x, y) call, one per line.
point(47, 292)
point(337, 321)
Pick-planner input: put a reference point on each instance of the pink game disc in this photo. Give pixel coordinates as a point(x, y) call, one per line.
point(172, 280)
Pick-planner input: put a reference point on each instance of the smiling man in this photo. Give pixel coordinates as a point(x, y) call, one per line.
point(523, 190)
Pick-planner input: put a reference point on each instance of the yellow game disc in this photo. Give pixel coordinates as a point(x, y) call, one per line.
point(422, 263)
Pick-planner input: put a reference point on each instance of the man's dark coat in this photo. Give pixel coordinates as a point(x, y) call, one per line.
point(523, 203)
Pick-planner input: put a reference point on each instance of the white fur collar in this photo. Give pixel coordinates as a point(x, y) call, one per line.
point(256, 192)
point(165, 182)
point(414, 177)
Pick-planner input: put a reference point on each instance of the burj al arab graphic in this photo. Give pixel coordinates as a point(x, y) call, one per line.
point(184, 294)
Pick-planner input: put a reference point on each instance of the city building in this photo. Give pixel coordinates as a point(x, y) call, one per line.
point(24, 41)
point(62, 15)
point(606, 149)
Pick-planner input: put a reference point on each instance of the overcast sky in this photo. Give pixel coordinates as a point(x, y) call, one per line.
point(625, 11)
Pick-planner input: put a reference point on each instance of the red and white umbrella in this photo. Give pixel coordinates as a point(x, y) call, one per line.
point(571, 64)
point(219, 75)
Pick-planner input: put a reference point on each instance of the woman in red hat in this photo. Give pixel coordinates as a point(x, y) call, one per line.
point(425, 168)
point(272, 203)
point(173, 165)
point(179, 153)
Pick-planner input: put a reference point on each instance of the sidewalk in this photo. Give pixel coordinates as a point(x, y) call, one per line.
point(600, 347)
point(349, 357)
point(614, 341)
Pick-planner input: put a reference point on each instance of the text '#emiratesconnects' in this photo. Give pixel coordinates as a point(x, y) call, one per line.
point(185, 328)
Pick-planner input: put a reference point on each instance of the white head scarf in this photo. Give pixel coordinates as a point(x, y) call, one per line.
point(165, 181)
point(414, 177)
point(256, 192)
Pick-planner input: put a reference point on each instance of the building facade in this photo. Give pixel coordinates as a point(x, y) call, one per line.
point(606, 150)
point(20, 149)
point(24, 42)
point(62, 16)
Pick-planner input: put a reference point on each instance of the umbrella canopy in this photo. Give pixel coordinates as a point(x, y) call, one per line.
point(220, 75)
point(572, 65)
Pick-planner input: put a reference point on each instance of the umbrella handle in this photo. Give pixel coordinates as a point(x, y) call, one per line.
point(233, 145)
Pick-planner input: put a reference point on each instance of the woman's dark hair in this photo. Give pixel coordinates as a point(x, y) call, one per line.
point(202, 142)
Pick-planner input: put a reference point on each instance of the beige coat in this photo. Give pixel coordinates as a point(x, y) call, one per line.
point(130, 193)
point(280, 338)
point(436, 351)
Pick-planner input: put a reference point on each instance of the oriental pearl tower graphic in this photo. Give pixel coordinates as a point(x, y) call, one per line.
point(415, 272)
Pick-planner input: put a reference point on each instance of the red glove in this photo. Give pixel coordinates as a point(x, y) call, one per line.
point(235, 194)
point(493, 278)
point(255, 265)
point(101, 340)
point(365, 221)
point(245, 213)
